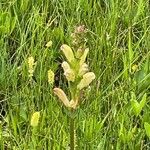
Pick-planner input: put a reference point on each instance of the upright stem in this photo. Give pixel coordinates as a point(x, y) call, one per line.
point(72, 132)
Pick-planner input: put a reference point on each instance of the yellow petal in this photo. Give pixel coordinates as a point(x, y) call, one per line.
point(70, 75)
point(73, 104)
point(83, 69)
point(49, 44)
point(62, 96)
point(67, 52)
point(87, 79)
point(65, 66)
point(83, 57)
point(68, 72)
point(35, 119)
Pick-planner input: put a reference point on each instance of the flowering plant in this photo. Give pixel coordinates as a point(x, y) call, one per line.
point(77, 74)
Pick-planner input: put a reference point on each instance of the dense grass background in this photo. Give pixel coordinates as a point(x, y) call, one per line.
point(118, 38)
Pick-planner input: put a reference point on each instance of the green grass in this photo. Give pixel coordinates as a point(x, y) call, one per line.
point(118, 37)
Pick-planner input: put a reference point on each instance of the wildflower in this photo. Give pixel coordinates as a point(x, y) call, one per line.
point(49, 44)
point(70, 75)
point(31, 66)
point(68, 72)
point(65, 66)
point(35, 119)
point(83, 57)
point(67, 52)
point(83, 69)
point(50, 76)
point(87, 79)
point(62, 96)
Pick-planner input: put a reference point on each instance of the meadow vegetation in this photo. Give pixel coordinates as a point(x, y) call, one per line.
point(114, 112)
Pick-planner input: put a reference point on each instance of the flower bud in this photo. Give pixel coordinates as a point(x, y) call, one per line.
point(87, 79)
point(62, 96)
point(67, 52)
point(80, 29)
point(83, 57)
point(35, 119)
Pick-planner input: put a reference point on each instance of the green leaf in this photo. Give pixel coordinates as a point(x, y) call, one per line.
point(12, 24)
point(147, 129)
point(143, 102)
point(137, 107)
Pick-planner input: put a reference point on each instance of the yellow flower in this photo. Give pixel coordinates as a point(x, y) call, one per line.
point(83, 69)
point(49, 44)
point(68, 72)
point(83, 57)
point(87, 79)
point(30, 62)
point(31, 66)
point(74, 104)
point(35, 119)
point(65, 66)
point(68, 52)
point(50, 76)
point(62, 96)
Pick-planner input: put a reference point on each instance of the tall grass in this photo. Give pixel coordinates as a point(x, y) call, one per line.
point(118, 38)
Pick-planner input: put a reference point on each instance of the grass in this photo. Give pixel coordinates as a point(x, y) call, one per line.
point(118, 38)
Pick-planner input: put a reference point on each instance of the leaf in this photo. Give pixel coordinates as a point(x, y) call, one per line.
point(137, 107)
point(143, 102)
point(147, 129)
point(12, 24)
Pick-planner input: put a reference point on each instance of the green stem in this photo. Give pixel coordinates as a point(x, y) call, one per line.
point(34, 140)
point(72, 132)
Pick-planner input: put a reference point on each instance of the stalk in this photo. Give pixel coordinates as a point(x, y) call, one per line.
point(72, 134)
